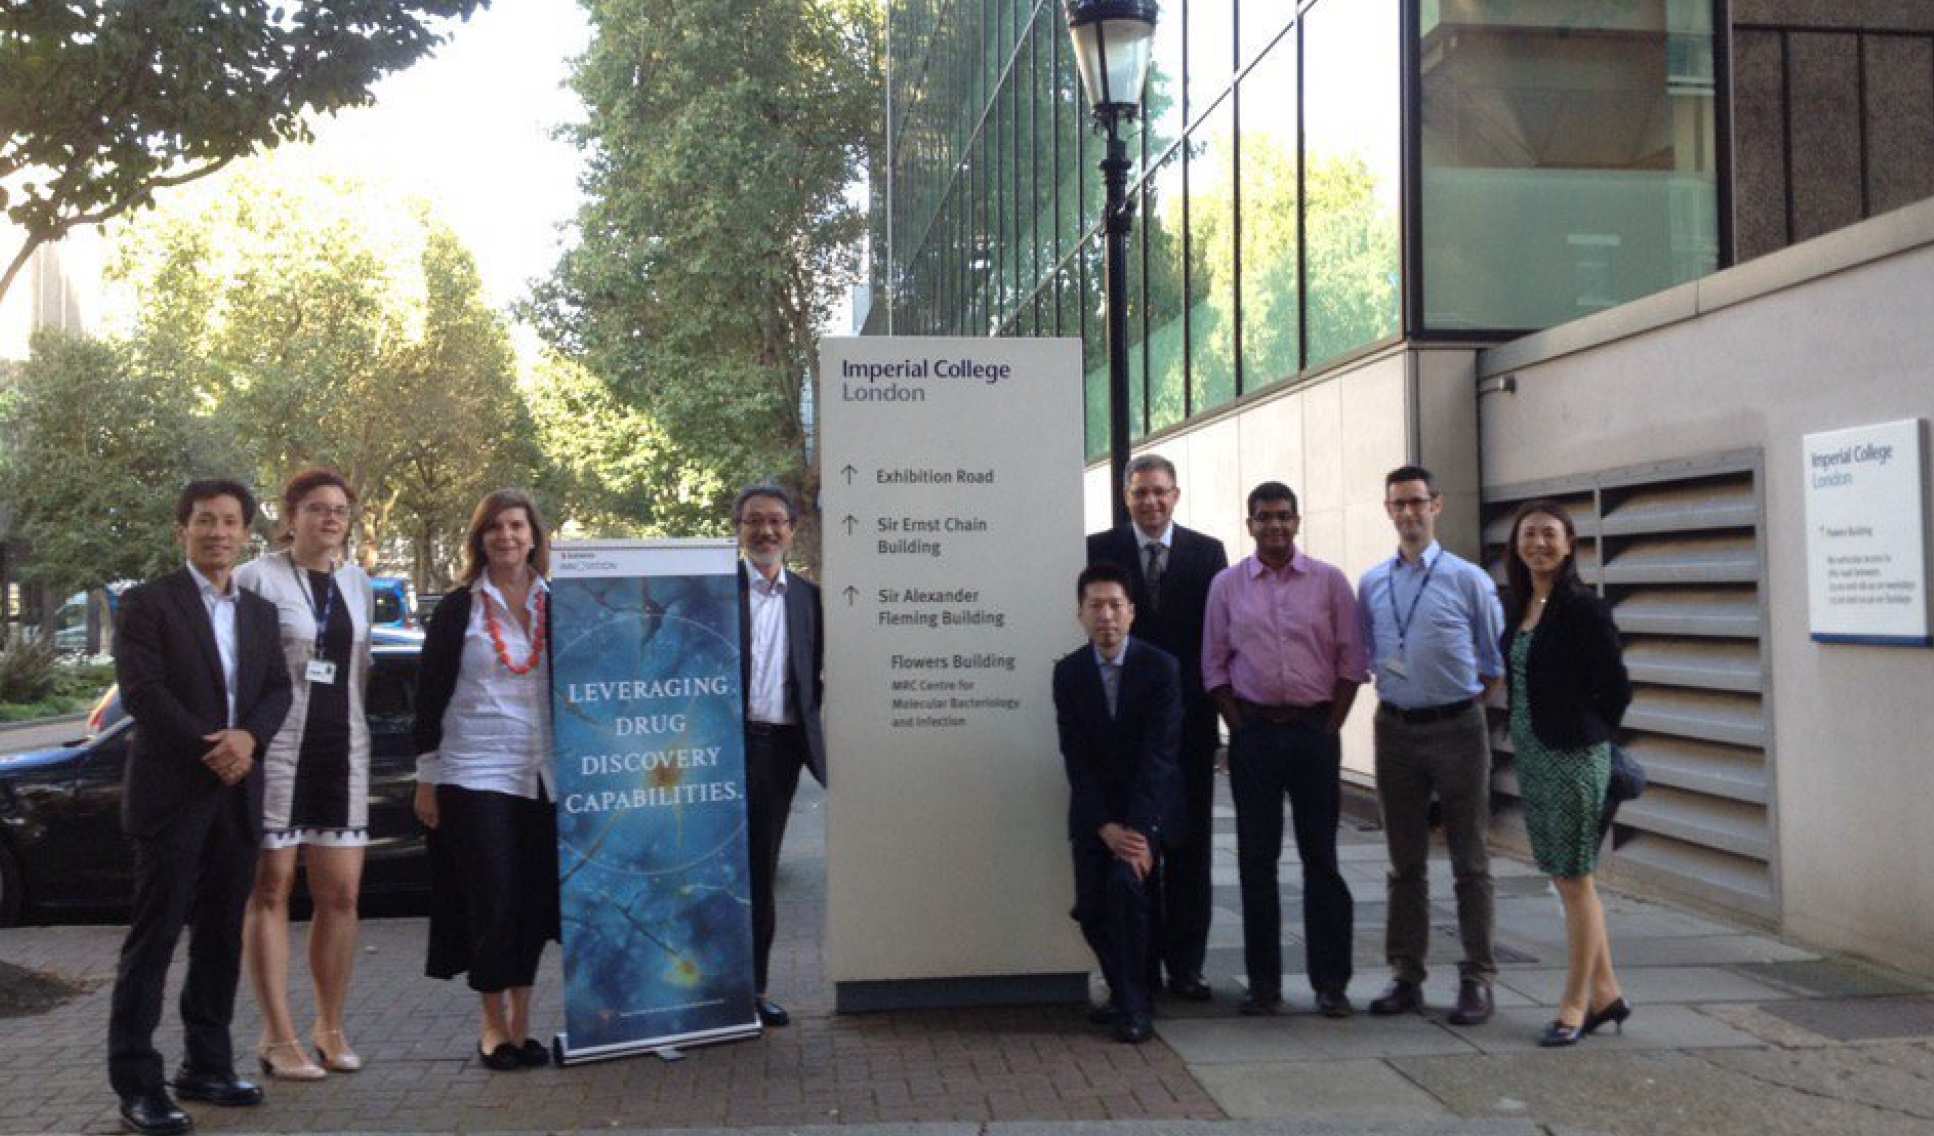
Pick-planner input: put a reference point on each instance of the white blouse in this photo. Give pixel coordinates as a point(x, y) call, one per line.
point(497, 728)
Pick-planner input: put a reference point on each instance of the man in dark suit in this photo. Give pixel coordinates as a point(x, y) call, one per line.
point(1169, 570)
point(781, 657)
point(201, 671)
point(1118, 711)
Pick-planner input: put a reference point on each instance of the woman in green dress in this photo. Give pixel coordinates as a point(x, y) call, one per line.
point(1568, 690)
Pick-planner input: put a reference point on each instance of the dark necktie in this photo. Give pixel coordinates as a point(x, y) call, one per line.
point(1157, 554)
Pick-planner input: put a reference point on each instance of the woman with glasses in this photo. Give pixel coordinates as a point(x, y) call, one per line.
point(315, 804)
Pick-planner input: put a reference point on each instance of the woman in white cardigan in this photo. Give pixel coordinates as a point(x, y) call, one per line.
point(316, 774)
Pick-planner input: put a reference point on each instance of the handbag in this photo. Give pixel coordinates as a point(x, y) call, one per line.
point(1628, 776)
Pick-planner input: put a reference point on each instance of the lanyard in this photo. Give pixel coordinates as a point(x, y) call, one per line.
point(320, 611)
point(1403, 621)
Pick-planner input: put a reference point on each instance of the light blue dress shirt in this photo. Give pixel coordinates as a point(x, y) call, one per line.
point(1448, 644)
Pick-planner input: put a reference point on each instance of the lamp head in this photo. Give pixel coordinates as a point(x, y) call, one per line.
point(1112, 39)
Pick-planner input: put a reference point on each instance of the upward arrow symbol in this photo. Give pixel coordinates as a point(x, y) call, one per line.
point(852, 593)
point(849, 471)
point(851, 522)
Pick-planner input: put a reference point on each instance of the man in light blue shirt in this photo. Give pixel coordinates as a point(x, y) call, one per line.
point(1431, 621)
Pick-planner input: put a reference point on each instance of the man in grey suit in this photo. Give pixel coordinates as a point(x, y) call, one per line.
point(781, 658)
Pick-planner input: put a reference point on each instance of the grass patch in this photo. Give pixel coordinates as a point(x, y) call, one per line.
point(75, 688)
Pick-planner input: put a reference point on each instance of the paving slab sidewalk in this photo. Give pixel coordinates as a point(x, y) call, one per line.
point(1733, 1032)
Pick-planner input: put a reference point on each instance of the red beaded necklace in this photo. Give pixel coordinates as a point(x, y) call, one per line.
point(497, 636)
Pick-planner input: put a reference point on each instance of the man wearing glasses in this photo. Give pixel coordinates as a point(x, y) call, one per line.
point(781, 657)
point(1282, 656)
point(1432, 621)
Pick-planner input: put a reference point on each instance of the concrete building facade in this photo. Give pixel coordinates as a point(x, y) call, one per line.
point(1625, 254)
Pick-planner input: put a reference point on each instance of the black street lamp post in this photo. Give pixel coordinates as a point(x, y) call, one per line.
point(1111, 46)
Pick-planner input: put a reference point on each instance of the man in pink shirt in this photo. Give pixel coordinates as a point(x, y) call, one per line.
point(1282, 656)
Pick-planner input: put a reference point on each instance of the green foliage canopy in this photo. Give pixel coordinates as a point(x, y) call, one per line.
point(104, 102)
point(720, 141)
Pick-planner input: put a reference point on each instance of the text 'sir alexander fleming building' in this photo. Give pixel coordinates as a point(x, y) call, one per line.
point(1640, 255)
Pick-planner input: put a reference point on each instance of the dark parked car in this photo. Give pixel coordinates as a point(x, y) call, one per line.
point(61, 846)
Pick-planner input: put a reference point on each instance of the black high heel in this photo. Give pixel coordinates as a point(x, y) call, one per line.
point(1558, 1034)
point(1615, 1012)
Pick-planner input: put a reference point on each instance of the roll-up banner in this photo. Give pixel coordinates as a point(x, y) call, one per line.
point(651, 819)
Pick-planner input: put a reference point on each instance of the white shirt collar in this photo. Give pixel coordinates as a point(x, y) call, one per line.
point(207, 587)
point(490, 589)
point(1119, 655)
point(1428, 557)
point(1166, 540)
point(773, 587)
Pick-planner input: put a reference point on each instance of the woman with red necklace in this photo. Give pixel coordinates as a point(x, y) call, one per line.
point(483, 775)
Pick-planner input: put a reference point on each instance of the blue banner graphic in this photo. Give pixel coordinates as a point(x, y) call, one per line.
point(650, 750)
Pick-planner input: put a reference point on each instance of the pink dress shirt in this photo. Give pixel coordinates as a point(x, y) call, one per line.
point(1282, 636)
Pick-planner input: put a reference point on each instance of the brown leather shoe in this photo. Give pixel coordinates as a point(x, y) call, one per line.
point(1473, 1003)
point(1400, 997)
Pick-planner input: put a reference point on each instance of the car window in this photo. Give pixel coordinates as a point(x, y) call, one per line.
point(389, 607)
point(392, 692)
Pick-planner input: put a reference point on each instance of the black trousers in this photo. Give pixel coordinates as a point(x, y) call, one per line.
point(502, 851)
point(197, 872)
point(1267, 761)
point(1113, 908)
point(1186, 899)
point(773, 758)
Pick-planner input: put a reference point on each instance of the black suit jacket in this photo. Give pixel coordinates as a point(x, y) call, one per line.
point(805, 660)
point(1121, 768)
point(1176, 627)
point(170, 675)
point(1575, 673)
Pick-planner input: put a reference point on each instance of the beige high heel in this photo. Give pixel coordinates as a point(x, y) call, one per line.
point(344, 1059)
point(300, 1069)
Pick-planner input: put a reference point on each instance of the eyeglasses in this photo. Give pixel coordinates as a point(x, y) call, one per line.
point(319, 510)
point(1418, 504)
point(1283, 518)
point(755, 523)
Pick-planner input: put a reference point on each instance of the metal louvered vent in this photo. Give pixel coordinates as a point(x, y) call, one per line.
point(1678, 552)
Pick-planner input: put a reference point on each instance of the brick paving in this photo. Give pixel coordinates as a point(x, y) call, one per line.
point(418, 1037)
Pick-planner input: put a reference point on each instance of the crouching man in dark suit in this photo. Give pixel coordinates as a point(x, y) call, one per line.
point(201, 671)
point(1118, 709)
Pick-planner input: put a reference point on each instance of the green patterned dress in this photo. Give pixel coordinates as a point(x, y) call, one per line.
point(1563, 789)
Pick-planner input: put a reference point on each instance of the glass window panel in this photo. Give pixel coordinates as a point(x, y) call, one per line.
point(1568, 158)
point(1022, 145)
point(1212, 261)
point(1093, 145)
point(1271, 332)
point(1163, 218)
point(1067, 280)
point(1162, 97)
point(1046, 114)
point(1094, 349)
point(1072, 172)
point(1212, 51)
point(1261, 21)
point(1001, 147)
point(1352, 131)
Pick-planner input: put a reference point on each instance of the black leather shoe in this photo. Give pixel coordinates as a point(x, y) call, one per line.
point(1334, 1004)
point(1615, 1012)
point(1261, 1006)
point(1558, 1035)
point(1134, 1029)
point(533, 1054)
point(1473, 1003)
point(1191, 988)
point(225, 1089)
point(1400, 997)
point(771, 1014)
point(1103, 1015)
point(507, 1056)
point(154, 1114)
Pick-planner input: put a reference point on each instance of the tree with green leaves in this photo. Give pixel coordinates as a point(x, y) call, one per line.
point(720, 141)
point(102, 104)
point(325, 322)
point(95, 450)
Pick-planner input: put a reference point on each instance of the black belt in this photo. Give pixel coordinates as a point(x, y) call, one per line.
point(1285, 713)
point(1424, 714)
point(768, 729)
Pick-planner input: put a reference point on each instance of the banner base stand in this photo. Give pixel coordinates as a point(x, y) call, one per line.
point(665, 1049)
point(959, 993)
